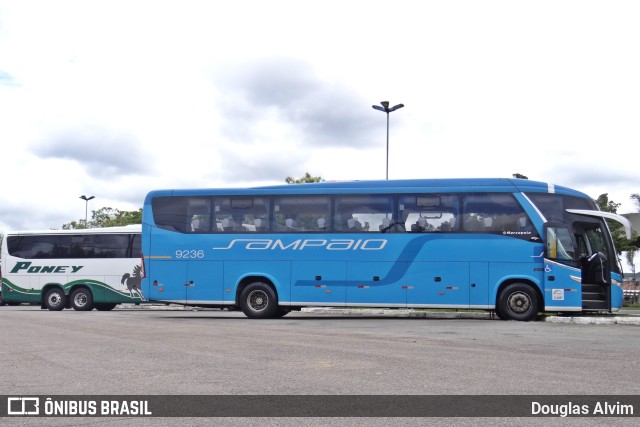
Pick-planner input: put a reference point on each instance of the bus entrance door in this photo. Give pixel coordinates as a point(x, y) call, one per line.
point(562, 289)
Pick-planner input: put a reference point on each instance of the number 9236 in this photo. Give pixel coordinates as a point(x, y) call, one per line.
point(189, 253)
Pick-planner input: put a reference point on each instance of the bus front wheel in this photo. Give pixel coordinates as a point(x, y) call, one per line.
point(81, 299)
point(258, 301)
point(55, 299)
point(518, 302)
point(281, 312)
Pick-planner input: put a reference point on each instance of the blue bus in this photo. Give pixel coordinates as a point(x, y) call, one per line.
point(511, 246)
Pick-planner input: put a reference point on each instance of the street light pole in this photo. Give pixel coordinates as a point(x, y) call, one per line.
point(385, 109)
point(86, 207)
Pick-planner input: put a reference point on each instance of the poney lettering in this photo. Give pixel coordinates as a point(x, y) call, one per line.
point(64, 269)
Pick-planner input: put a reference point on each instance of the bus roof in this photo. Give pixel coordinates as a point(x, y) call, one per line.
point(133, 228)
point(386, 186)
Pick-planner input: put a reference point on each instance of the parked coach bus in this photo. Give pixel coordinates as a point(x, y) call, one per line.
point(516, 247)
point(81, 269)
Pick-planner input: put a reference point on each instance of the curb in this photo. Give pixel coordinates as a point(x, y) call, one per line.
point(581, 320)
point(410, 313)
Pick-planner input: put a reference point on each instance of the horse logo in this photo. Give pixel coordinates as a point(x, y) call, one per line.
point(133, 282)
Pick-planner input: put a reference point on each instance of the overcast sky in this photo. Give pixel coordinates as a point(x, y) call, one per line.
point(113, 99)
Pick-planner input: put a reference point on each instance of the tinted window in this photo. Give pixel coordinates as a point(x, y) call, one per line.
point(75, 246)
point(241, 214)
point(496, 213)
point(363, 213)
point(301, 213)
point(183, 214)
point(553, 206)
point(429, 213)
point(136, 246)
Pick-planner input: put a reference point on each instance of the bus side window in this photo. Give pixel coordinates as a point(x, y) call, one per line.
point(559, 245)
point(261, 224)
point(421, 225)
point(428, 213)
point(291, 225)
point(363, 213)
point(229, 224)
point(498, 214)
point(386, 226)
point(299, 213)
point(169, 213)
point(339, 224)
point(200, 223)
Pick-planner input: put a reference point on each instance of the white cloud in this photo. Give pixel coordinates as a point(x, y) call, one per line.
point(114, 99)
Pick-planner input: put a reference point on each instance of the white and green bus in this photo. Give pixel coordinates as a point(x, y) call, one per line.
point(80, 269)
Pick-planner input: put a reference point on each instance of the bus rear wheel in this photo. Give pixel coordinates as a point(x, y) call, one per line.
point(81, 299)
point(258, 301)
point(518, 302)
point(55, 299)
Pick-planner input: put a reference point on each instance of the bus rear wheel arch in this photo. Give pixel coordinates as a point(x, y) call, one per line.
point(518, 301)
point(81, 299)
point(55, 299)
point(258, 300)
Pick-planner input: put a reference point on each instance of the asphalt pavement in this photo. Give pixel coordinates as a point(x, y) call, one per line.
point(623, 317)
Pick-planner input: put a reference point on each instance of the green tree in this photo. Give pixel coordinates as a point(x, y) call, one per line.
point(607, 205)
point(107, 217)
point(617, 232)
point(305, 179)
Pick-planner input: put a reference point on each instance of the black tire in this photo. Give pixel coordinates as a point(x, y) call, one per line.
point(518, 302)
point(281, 312)
point(258, 301)
point(105, 306)
point(55, 299)
point(81, 299)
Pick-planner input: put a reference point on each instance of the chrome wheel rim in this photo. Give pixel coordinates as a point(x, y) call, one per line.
point(54, 299)
point(80, 299)
point(258, 300)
